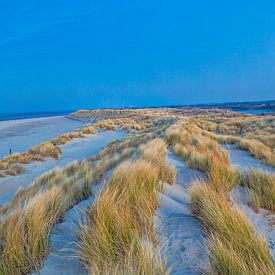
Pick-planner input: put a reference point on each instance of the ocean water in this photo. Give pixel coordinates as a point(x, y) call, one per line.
point(14, 116)
point(256, 111)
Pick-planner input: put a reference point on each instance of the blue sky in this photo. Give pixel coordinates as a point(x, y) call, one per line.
point(67, 54)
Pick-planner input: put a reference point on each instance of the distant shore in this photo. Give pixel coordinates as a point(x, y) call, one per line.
point(257, 108)
point(28, 115)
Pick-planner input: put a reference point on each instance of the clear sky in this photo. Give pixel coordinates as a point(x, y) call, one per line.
point(68, 54)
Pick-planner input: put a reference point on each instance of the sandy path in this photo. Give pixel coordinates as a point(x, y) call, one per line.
point(62, 257)
point(77, 149)
point(244, 160)
point(263, 221)
point(21, 135)
point(179, 232)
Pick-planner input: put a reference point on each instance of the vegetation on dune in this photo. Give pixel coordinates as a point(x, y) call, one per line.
point(118, 233)
point(233, 243)
point(251, 133)
point(155, 152)
point(234, 246)
point(258, 150)
point(27, 231)
point(11, 165)
point(261, 186)
point(202, 153)
point(27, 221)
point(73, 183)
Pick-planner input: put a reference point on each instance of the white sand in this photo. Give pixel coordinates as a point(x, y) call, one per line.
point(62, 257)
point(21, 135)
point(263, 221)
point(78, 149)
point(244, 160)
point(180, 234)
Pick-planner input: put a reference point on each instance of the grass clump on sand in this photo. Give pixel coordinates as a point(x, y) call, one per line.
point(261, 187)
point(259, 150)
point(118, 235)
point(221, 175)
point(34, 210)
point(234, 246)
point(37, 153)
point(155, 152)
point(202, 153)
point(51, 148)
point(27, 229)
point(252, 133)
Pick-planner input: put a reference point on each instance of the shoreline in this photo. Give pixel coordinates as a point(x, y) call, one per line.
point(30, 118)
point(20, 135)
point(31, 115)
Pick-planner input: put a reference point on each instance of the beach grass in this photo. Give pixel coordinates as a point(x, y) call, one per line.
point(27, 231)
point(261, 186)
point(118, 233)
point(234, 246)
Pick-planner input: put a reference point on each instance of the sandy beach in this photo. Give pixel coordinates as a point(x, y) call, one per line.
point(78, 149)
point(20, 135)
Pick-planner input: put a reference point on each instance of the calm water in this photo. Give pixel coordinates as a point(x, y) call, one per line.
point(256, 111)
point(13, 116)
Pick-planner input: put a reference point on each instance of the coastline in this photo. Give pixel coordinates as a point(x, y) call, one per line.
point(20, 135)
point(31, 115)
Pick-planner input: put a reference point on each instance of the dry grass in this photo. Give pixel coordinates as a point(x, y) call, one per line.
point(221, 175)
point(120, 222)
point(234, 245)
point(255, 147)
point(88, 130)
point(45, 150)
point(258, 150)
point(118, 234)
point(61, 140)
point(202, 153)
point(15, 170)
point(114, 225)
point(261, 187)
point(36, 153)
point(51, 149)
point(155, 152)
point(4, 208)
point(27, 231)
point(59, 187)
point(255, 134)
point(32, 221)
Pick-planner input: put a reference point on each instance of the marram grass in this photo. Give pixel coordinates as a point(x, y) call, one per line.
point(234, 245)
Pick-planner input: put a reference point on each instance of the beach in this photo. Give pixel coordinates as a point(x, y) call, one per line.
point(20, 135)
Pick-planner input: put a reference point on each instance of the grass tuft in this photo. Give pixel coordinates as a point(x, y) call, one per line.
point(117, 236)
point(234, 246)
point(261, 187)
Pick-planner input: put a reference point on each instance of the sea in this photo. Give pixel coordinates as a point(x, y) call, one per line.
point(16, 116)
point(256, 111)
